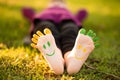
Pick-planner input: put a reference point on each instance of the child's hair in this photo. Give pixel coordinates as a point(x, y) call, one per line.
point(60, 3)
point(57, 0)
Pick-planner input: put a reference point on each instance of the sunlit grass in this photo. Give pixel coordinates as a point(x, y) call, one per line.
point(23, 63)
point(18, 62)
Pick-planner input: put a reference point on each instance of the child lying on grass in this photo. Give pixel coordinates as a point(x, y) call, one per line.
point(57, 35)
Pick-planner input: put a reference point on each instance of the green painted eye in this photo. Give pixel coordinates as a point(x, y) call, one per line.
point(48, 43)
point(44, 46)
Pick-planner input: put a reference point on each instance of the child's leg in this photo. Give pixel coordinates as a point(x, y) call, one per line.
point(69, 31)
point(46, 44)
point(84, 45)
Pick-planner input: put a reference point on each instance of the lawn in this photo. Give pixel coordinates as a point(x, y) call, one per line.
point(19, 62)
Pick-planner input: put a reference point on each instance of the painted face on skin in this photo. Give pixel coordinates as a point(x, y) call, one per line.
point(48, 45)
point(81, 50)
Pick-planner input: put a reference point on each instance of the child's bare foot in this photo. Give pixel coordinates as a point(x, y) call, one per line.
point(46, 44)
point(84, 45)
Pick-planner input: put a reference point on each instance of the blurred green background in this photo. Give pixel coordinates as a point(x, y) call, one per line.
point(103, 18)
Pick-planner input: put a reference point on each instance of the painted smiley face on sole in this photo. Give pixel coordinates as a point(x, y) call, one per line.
point(84, 45)
point(45, 43)
point(49, 46)
point(51, 54)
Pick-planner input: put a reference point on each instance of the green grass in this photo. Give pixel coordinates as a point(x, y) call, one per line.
point(18, 62)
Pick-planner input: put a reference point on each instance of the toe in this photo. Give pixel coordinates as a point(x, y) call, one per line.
point(97, 44)
point(34, 40)
point(39, 33)
point(82, 31)
point(95, 39)
point(35, 36)
point(33, 45)
point(47, 31)
point(89, 33)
